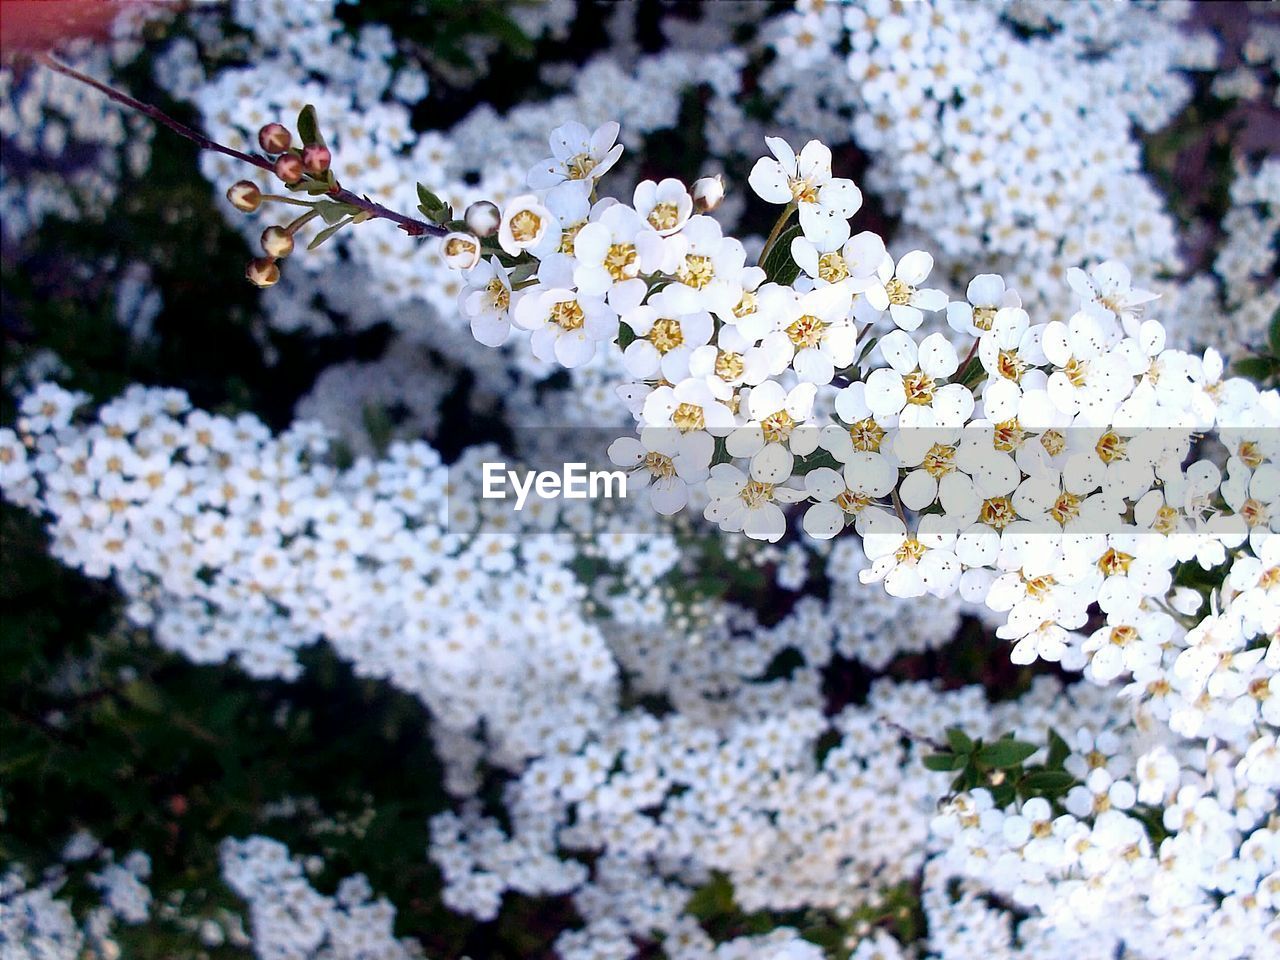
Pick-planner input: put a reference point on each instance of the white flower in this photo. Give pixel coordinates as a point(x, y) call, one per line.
point(909, 387)
point(708, 267)
point(615, 250)
point(854, 263)
point(814, 333)
point(739, 503)
point(486, 302)
point(525, 222)
point(896, 290)
point(577, 153)
point(910, 565)
point(566, 326)
point(775, 413)
point(461, 250)
point(1108, 293)
point(866, 477)
point(674, 460)
point(665, 206)
point(688, 406)
point(825, 202)
point(665, 340)
point(986, 296)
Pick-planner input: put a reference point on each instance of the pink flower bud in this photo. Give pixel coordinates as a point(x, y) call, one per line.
point(707, 193)
point(289, 168)
point(316, 159)
point(274, 138)
point(461, 251)
point(262, 272)
point(245, 196)
point(277, 242)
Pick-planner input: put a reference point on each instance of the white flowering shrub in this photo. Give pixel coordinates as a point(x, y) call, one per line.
point(941, 617)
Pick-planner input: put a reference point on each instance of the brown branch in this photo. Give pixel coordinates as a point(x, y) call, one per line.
point(411, 226)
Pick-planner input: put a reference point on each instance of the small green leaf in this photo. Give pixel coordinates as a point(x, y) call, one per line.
point(1256, 368)
point(432, 207)
point(1006, 753)
point(326, 233)
point(333, 212)
point(309, 127)
point(943, 762)
point(1047, 781)
point(959, 740)
point(779, 265)
point(1273, 336)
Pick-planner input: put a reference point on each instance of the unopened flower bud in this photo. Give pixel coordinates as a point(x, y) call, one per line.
point(707, 193)
point(289, 168)
point(262, 272)
point(483, 218)
point(245, 196)
point(461, 251)
point(316, 159)
point(274, 138)
point(277, 242)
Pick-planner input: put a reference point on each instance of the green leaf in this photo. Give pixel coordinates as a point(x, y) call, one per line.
point(1006, 753)
point(1273, 336)
point(1256, 368)
point(332, 212)
point(959, 740)
point(326, 233)
point(943, 762)
point(1047, 781)
point(1058, 750)
point(779, 265)
point(309, 127)
point(432, 207)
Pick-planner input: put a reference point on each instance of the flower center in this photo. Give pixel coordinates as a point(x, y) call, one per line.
point(939, 461)
point(664, 216)
point(1076, 371)
point(806, 332)
point(755, 493)
point(1039, 586)
point(1008, 435)
point(568, 315)
point(659, 464)
point(689, 416)
point(1053, 442)
point(729, 365)
point(851, 502)
point(620, 261)
point(899, 292)
point(1065, 508)
point(1255, 512)
point(580, 167)
point(1115, 562)
point(1110, 447)
point(997, 512)
point(1010, 366)
point(832, 267)
point(499, 295)
point(666, 335)
point(919, 388)
point(1123, 636)
point(1166, 519)
point(866, 435)
point(696, 271)
point(984, 317)
point(568, 235)
point(746, 306)
point(777, 426)
point(910, 551)
point(525, 226)
point(1250, 454)
point(802, 191)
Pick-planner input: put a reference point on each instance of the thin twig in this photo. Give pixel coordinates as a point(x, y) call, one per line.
point(411, 226)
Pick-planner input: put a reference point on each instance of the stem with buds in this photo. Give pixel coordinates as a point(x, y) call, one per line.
point(411, 226)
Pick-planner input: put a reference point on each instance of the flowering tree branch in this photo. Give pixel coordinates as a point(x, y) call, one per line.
point(410, 225)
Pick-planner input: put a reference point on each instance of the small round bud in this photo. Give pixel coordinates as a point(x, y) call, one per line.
point(277, 242)
point(482, 218)
point(289, 168)
point(316, 159)
point(707, 193)
point(262, 272)
point(245, 196)
point(274, 138)
point(461, 251)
